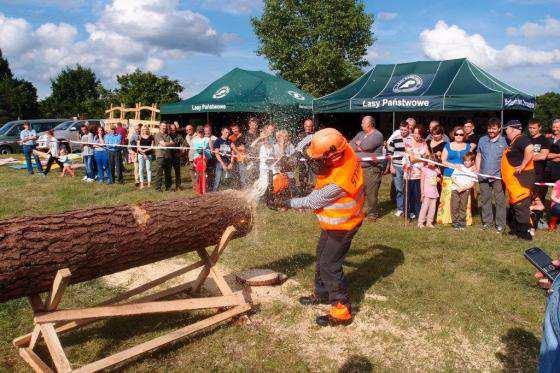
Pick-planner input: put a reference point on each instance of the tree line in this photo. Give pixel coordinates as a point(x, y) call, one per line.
point(77, 92)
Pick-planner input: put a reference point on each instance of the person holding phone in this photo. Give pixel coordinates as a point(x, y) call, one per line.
point(549, 357)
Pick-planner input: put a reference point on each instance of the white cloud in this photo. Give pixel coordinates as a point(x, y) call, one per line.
point(154, 64)
point(128, 34)
point(233, 6)
point(447, 42)
point(555, 74)
point(386, 16)
point(547, 27)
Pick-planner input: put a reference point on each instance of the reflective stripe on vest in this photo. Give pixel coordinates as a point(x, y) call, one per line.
point(345, 205)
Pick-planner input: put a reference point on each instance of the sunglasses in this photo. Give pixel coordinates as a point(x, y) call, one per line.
point(459, 134)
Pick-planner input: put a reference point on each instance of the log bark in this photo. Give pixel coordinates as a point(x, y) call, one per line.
point(99, 241)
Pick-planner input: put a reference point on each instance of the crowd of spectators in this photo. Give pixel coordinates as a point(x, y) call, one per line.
point(442, 193)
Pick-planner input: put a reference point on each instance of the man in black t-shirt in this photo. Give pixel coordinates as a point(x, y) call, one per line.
point(541, 147)
point(470, 136)
point(518, 175)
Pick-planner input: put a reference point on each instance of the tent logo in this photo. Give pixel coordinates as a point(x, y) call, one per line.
point(222, 92)
point(296, 95)
point(409, 83)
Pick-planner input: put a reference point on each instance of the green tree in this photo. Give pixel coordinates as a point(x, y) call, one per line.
point(75, 91)
point(5, 72)
point(18, 97)
point(548, 108)
point(317, 44)
point(146, 88)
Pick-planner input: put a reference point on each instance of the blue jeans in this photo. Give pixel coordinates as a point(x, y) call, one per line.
point(398, 179)
point(414, 198)
point(28, 152)
point(242, 169)
point(88, 164)
point(549, 359)
point(217, 176)
point(555, 210)
point(102, 161)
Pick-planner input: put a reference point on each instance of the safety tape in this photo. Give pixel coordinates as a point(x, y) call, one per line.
point(363, 159)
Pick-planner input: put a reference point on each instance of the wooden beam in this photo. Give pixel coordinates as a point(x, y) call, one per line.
point(24, 340)
point(60, 282)
point(140, 308)
point(34, 361)
point(55, 348)
point(166, 339)
point(34, 336)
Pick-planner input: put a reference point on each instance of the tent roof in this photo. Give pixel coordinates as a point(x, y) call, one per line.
point(244, 91)
point(449, 85)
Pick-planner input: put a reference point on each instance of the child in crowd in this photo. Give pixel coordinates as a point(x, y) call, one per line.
point(554, 206)
point(536, 210)
point(66, 163)
point(429, 193)
point(463, 179)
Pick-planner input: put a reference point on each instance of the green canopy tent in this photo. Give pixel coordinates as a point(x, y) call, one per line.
point(244, 91)
point(426, 87)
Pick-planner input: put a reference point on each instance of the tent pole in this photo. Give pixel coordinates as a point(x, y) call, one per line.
point(393, 121)
point(207, 117)
point(502, 116)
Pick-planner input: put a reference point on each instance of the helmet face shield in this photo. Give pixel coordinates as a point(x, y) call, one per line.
point(319, 166)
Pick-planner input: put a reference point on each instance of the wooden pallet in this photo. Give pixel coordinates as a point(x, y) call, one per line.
point(50, 321)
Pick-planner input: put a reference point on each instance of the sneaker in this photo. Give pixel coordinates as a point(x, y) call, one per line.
point(88, 180)
point(398, 213)
point(412, 216)
point(430, 225)
point(500, 229)
point(84, 178)
point(486, 226)
point(420, 226)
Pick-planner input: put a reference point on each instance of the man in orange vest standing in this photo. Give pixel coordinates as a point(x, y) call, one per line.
point(337, 200)
point(518, 174)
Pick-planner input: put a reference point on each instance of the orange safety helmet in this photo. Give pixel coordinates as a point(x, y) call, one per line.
point(280, 183)
point(327, 143)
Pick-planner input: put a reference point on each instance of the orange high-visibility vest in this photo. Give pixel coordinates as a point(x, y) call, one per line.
point(519, 186)
point(346, 212)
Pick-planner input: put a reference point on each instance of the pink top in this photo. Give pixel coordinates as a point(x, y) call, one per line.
point(428, 182)
point(418, 150)
point(555, 196)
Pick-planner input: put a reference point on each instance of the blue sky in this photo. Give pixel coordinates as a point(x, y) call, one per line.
point(196, 41)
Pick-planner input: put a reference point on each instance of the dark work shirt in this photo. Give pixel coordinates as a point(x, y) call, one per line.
point(472, 138)
point(224, 147)
point(517, 150)
point(540, 143)
point(179, 141)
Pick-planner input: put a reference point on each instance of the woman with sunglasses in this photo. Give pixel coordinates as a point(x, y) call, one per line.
point(451, 157)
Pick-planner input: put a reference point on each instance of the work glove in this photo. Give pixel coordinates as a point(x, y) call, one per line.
point(278, 203)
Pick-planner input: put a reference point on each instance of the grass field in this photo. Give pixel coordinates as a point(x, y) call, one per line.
point(425, 299)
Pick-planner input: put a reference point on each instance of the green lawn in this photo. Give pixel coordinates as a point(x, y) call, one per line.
point(425, 299)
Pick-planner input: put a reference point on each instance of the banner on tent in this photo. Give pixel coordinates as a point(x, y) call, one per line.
point(396, 103)
point(514, 101)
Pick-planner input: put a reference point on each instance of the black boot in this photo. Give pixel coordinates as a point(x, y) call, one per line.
point(313, 300)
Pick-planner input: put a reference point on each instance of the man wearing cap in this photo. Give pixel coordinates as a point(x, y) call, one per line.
point(518, 174)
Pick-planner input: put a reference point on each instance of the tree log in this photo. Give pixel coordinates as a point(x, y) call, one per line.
point(99, 241)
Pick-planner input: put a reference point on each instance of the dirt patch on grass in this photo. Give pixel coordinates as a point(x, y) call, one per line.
point(379, 334)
